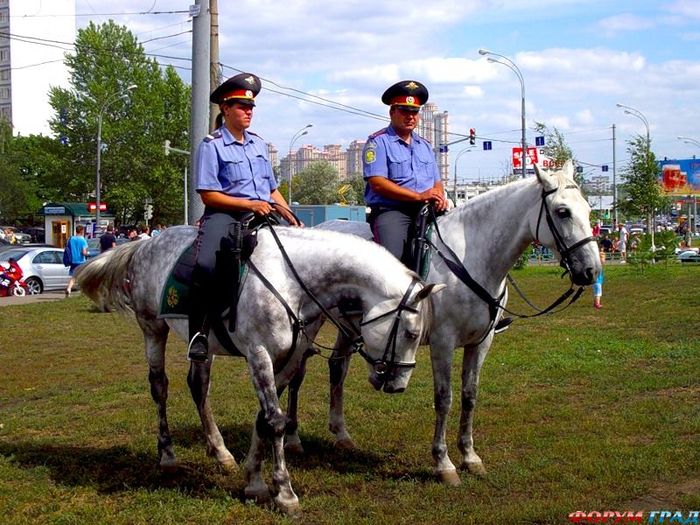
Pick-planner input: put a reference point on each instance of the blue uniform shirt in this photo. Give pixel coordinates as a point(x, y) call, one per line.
point(237, 169)
point(411, 166)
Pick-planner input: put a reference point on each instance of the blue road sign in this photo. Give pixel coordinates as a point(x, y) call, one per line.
point(605, 167)
point(539, 141)
point(487, 145)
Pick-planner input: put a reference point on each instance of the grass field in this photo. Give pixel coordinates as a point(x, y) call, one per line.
point(584, 410)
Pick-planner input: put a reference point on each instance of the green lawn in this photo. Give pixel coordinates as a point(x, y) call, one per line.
point(584, 410)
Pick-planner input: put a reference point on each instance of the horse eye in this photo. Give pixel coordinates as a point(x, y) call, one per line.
point(411, 336)
point(563, 213)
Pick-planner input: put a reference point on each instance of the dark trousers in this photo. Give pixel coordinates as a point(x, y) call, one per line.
point(395, 229)
point(208, 294)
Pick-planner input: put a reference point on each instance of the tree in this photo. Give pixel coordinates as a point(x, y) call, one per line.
point(107, 60)
point(316, 184)
point(556, 147)
point(641, 182)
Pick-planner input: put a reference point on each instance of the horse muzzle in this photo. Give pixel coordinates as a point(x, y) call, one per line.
point(393, 380)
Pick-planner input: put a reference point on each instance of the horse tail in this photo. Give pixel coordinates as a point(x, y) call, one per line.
point(104, 279)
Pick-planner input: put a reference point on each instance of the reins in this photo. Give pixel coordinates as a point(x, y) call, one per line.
point(460, 271)
point(349, 332)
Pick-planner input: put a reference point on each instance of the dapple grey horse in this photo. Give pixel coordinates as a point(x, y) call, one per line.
point(487, 235)
point(334, 267)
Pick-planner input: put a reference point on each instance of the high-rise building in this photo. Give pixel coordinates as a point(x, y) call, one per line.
point(34, 37)
point(354, 158)
point(433, 127)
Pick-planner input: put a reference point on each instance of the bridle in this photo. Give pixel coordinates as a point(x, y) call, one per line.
point(564, 251)
point(495, 303)
point(349, 331)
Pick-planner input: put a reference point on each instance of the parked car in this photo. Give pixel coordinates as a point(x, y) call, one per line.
point(42, 267)
point(22, 238)
point(94, 245)
point(689, 255)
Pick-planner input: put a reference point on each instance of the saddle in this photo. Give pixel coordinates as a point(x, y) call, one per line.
point(231, 271)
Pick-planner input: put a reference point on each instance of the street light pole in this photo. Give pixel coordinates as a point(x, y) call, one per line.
point(629, 110)
point(98, 184)
point(505, 61)
point(303, 131)
point(689, 140)
point(455, 180)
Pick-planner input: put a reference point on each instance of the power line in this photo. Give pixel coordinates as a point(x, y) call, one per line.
point(104, 14)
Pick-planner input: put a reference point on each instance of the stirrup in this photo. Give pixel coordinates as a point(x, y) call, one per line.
point(502, 325)
point(198, 349)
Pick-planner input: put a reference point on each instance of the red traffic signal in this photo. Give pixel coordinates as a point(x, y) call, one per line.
point(472, 136)
point(92, 207)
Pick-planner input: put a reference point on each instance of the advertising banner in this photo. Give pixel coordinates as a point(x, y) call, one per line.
point(680, 177)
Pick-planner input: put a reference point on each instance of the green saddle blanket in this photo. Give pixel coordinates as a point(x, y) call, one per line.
point(175, 299)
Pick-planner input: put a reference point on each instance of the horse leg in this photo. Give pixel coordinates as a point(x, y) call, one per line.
point(474, 357)
point(270, 425)
point(441, 361)
point(292, 443)
point(199, 380)
point(155, 337)
point(338, 366)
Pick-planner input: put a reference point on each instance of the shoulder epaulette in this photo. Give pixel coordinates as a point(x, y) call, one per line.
point(377, 133)
point(213, 135)
point(423, 138)
point(254, 134)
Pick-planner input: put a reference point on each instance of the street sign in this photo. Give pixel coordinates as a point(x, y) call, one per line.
point(487, 145)
point(539, 141)
point(530, 158)
point(605, 167)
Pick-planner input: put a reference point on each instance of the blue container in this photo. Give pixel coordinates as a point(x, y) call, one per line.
point(311, 215)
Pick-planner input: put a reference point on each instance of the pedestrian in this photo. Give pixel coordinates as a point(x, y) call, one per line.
point(234, 178)
point(78, 249)
point(108, 240)
point(144, 232)
point(622, 243)
point(400, 172)
point(598, 284)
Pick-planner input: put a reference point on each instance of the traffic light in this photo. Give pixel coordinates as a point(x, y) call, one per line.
point(472, 136)
point(167, 148)
point(148, 212)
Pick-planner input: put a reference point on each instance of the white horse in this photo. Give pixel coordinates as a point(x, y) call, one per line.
point(335, 268)
point(487, 235)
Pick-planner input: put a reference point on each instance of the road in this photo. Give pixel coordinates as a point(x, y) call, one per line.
point(42, 297)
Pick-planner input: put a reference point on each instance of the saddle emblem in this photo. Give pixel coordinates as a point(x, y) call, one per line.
point(173, 297)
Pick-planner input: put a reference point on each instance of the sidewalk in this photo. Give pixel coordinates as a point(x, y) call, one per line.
point(38, 298)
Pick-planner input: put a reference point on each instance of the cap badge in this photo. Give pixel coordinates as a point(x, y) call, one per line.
point(249, 94)
point(411, 85)
point(250, 80)
point(410, 100)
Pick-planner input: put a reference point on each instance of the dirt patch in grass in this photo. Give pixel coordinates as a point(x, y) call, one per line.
point(668, 496)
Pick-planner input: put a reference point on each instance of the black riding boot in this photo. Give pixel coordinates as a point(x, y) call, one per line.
point(198, 348)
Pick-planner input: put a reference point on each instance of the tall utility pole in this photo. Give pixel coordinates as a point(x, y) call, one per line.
point(614, 178)
point(199, 123)
point(215, 67)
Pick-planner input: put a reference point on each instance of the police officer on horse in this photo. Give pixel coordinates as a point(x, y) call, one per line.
point(234, 179)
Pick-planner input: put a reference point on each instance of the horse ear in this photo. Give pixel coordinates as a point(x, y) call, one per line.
point(568, 169)
point(426, 291)
point(546, 178)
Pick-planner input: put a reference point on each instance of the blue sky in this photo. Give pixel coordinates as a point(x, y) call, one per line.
point(578, 59)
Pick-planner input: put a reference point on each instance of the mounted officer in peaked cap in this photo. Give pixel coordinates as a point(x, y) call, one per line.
point(400, 172)
point(234, 179)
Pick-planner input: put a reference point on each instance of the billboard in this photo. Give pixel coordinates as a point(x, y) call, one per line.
point(680, 177)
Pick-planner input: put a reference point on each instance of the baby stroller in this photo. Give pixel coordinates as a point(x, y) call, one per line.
point(11, 282)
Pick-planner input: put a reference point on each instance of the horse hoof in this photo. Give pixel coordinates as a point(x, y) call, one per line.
point(168, 468)
point(344, 444)
point(229, 465)
point(290, 506)
point(449, 477)
point(476, 468)
point(257, 494)
point(294, 448)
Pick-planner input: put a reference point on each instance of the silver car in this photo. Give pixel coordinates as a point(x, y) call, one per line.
point(42, 267)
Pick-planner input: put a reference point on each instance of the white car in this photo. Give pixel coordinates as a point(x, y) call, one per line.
point(42, 267)
point(689, 255)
